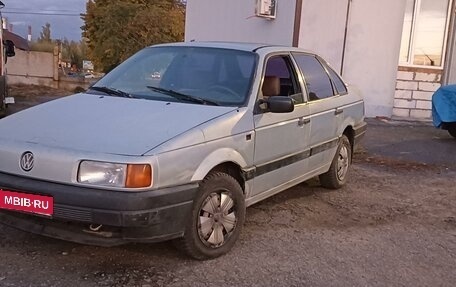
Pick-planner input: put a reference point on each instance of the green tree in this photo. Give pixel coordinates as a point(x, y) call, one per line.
point(42, 46)
point(45, 34)
point(116, 29)
point(74, 52)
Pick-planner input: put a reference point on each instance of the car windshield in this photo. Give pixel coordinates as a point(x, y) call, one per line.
point(196, 75)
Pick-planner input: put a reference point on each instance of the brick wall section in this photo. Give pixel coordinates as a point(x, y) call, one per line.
point(414, 90)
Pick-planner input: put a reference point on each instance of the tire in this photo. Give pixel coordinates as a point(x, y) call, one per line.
point(3, 111)
point(452, 129)
point(217, 218)
point(337, 174)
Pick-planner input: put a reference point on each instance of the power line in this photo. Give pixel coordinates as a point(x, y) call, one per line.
point(41, 10)
point(42, 13)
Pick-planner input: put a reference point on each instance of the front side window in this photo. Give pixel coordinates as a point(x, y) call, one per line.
point(424, 32)
point(317, 80)
point(280, 79)
point(186, 74)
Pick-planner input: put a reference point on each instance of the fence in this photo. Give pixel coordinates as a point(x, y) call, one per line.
point(40, 68)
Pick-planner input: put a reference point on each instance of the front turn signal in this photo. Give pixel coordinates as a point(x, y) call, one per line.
point(138, 175)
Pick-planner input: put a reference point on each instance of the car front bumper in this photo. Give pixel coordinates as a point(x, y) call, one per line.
point(102, 217)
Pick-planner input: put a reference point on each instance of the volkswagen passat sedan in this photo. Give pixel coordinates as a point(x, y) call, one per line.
point(175, 143)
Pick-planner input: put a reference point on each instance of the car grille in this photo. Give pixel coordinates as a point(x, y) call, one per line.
point(62, 212)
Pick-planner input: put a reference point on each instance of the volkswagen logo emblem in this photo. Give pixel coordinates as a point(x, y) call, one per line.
point(27, 161)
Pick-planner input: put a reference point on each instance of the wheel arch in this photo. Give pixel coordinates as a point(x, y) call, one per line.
point(222, 160)
point(349, 132)
point(233, 170)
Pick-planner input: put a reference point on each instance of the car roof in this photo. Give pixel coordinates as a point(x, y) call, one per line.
point(251, 47)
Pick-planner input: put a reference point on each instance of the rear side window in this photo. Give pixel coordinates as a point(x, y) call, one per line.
point(317, 80)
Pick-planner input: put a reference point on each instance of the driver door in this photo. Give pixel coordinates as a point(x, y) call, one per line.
point(281, 140)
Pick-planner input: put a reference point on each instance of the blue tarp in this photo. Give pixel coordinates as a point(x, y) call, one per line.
point(444, 105)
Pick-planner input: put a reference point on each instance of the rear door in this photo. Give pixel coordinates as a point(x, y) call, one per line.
point(325, 116)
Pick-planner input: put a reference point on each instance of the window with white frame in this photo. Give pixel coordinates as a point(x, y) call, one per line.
point(424, 33)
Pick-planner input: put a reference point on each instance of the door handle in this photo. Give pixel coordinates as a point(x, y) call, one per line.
point(338, 111)
point(303, 121)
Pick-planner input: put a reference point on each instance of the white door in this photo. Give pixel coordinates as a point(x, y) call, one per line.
point(281, 140)
point(325, 116)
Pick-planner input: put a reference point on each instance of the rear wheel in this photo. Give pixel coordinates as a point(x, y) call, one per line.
point(217, 218)
point(336, 176)
point(2, 110)
point(452, 129)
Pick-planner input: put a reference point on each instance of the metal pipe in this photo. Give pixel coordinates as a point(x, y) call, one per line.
point(345, 37)
point(450, 50)
point(297, 23)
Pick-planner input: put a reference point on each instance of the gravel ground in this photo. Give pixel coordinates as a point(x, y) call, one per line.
point(393, 224)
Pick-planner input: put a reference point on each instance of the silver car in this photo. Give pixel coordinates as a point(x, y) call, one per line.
point(175, 143)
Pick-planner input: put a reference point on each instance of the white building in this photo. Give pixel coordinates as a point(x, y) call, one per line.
point(397, 52)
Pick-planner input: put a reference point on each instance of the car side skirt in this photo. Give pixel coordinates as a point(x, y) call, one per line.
point(288, 160)
point(259, 197)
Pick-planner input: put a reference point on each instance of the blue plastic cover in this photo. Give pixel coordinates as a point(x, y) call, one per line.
point(444, 105)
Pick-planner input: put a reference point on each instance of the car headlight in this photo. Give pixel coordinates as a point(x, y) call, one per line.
point(115, 174)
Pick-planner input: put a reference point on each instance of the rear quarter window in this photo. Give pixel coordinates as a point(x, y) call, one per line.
point(339, 84)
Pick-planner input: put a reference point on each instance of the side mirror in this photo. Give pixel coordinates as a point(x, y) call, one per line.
point(9, 49)
point(279, 104)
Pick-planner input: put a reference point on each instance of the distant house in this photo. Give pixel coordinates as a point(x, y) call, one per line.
point(396, 52)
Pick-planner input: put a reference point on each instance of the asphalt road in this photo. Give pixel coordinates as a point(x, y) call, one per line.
point(410, 141)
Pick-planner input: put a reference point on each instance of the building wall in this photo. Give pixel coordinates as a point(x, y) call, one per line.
point(372, 43)
point(415, 85)
point(323, 28)
point(450, 63)
point(234, 20)
point(451, 68)
point(414, 90)
point(372, 52)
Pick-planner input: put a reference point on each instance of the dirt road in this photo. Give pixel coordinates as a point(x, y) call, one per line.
point(394, 224)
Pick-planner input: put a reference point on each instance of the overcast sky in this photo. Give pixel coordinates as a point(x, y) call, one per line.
point(22, 13)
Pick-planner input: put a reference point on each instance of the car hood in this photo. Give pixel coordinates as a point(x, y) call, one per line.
point(105, 124)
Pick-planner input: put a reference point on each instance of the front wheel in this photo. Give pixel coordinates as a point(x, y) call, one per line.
point(336, 176)
point(217, 218)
